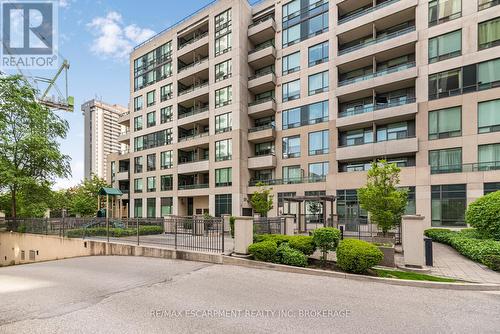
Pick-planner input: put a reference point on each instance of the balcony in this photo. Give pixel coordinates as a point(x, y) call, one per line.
point(193, 43)
point(272, 182)
point(122, 176)
point(193, 166)
point(262, 82)
point(390, 70)
point(124, 118)
point(378, 106)
point(262, 108)
point(193, 68)
point(263, 55)
point(124, 136)
point(192, 186)
point(363, 11)
point(260, 134)
point(193, 92)
point(384, 148)
point(262, 30)
point(467, 168)
point(262, 162)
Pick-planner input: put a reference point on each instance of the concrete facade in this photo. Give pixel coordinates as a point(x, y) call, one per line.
point(374, 52)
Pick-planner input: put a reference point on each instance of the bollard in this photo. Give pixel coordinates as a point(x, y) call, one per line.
point(429, 259)
point(341, 228)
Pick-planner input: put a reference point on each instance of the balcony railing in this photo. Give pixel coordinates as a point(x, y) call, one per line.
point(188, 161)
point(370, 108)
point(360, 141)
point(192, 88)
point(261, 21)
point(350, 17)
point(464, 90)
point(390, 70)
point(198, 135)
point(262, 46)
point(488, 4)
point(272, 182)
point(192, 40)
point(261, 128)
point(466, 168)
point(259, 101)
point(201, 61)
point(377, 40)
point(305, 122)
point(263, 153)
point(192, 112)
point(192, 186)
point(261, 74)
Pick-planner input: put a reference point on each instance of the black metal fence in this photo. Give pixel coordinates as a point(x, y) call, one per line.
point(269, 225)
point(355, 228)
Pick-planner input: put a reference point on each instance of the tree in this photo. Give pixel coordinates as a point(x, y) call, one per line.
point(29, 151)
point(84, 201)
point(326, 239)
point(384, 202)
point(262, 199)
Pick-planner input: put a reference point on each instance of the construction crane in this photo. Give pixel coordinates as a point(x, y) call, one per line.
point(63, 101)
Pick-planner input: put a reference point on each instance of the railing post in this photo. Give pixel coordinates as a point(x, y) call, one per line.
point(341, 228)
point(175, 232)
point(107, 228)
point(221, 224)
point(137, 226)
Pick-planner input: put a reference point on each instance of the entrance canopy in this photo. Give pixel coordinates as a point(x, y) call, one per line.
point(110, 192)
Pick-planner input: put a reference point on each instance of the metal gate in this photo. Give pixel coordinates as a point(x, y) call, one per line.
point(195, 233)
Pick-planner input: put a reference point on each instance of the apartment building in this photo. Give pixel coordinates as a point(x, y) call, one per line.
point(101, 131)
point(303, 95)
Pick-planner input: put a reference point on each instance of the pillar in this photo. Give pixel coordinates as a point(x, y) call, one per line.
point(289, 225)
point(243, 234)
point(413, 240)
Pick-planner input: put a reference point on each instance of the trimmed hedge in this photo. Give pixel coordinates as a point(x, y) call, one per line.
point(113, 232)
point(470, 244)
point(484, 215)
point(302, 243)
point(357, 256)
point(264, 250)
point(290, 256)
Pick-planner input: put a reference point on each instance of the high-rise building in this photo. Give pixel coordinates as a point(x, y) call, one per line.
point(303, 95)
point(101, 134)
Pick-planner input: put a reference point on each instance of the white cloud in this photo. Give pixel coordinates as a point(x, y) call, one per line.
point(64, 3)
point(113, 39)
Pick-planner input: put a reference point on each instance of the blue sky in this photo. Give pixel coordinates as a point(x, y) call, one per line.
point(96, 37)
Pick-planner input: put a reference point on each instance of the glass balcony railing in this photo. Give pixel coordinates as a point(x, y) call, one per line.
point(261, 74)
point(192, 112)
point(261, 128)
point(354, 15)
point(360, 141)
point(466, 168)
point(256, 23)
point(192, 40)
point(192, 186)
point(194, 136)
point(192, 88)
point(369, 108)
point(271, 182)
point(262, 46)
point(386, 71)
point(185, 160)
point(201, 61)
point(259, 101)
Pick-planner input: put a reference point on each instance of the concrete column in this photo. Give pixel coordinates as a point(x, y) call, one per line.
point(289, 225)
point(413, 240)
point(225, 218)
point(243, 234)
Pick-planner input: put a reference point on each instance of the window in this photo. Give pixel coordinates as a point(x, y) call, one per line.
point(223, 70)
point(318, 171)
point(292, 174)
point(318, 83)
point(151, 162)
point(291, 63)
point(445, 83)
point(446, 160)
point(291, 147)
point(166, 114)
point(138, 165)
point(445, 46)
point(137, 123)
point(151, 118)
point(488, 74)
point(318, 54)
point(154, 139)
point(223, 23)
point(489, 157)
point(222, 44)
point(489, 116)
point(166, 92)
point(223, 177)
point(489, 34)
point(223, 150)
point(348, 208)
point(305, 115)
point(138, 103)
point(138, 208)
point(291, 35)
point(291, 118)
point(166, 205)
point(166, 182)
point(150, 98)
point(291, 10)
point(166, 160)
point(151, 207)
point(448, 204)
point(223, 96)
point(444, 10)
point(445, 123)
point(393, 131)
point(223, 205)
point(356, 137)
point(151, 183)
point(484, 4)
point(491, 187)
point(223, 123)
point(263, 175)
point(317, 25)
point(286, 207)
point(138, 185)
point(318, 142)
point(165, 71)
point(291, 90)
point(411, 205)
point(266, 148)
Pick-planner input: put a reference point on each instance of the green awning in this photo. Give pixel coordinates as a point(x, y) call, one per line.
point(110, 192)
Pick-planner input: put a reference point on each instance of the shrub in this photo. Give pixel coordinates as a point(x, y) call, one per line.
point(113, 232)
point(302, 243)
point(442, 235)
point(326, 239)
point(357, 256)
point(484, 214)
point(289, 256)
point(264, 251)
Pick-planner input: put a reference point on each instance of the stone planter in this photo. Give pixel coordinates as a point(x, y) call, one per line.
point(388, 260)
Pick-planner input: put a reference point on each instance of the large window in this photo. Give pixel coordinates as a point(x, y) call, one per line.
point(292, 174)
point(151, 207)
point(166, 160)
point(151, 140)
point(223, 23)
point(151, 119)
point(223, 177)
point(166, 92)
point(291, 147)
point(166, 205)
point(318, 54)
point(266, 148)
point(317, 25)
point(151, 162)
point(138, 103)
point(223, 150)
point(291, 90)
point(291, 63)
point(318, 83)
point(286, 207)
point(223, 44)
point(138, 208)
point(445, 123)
point(223, 123)
point(489, 157)
point(488, 74)
point(446, 160)
point(318, 171)
point(305, 115)
point(489, 116)
point(291, 10)
point(484, 4)
point(348, 208)
point(291, 35)
point(356, 137)
point(223, 205)
point(444, 10)
point(318, 142)
point(138, 185)
point(223, 96)
point(137, 123)
point(151, 183)
point(448, 204)
point(445, 83)
point(166, 182)
point(166, 114)
point(491, 187)
point(489, 34)
point(395, 131)
point(138, 164)
point(223, 70)
point(445, 46)
point(150, 98)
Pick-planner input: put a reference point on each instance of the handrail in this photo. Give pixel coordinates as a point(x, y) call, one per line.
point(261, 74)
point(376, 142)
point(262, 46)
point(267, 99)
point(203, 60)
point(377, 74)
point(370, 108)
point(261, 21)
point(377, 40)
point(192, 186)
point(192, 40)
point(270, 182)
point(192, 88)
point(466, 168)
point(349, 17)
point(192, 112)
point(191, 161)
point(260, 128)
point(198, 135)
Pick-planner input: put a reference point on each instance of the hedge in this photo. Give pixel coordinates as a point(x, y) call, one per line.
point(302, 243)
point(264, 250)
point(484, 215)
point(290, 256)
point(470, 244)
point(113, 232)
point(357, 256)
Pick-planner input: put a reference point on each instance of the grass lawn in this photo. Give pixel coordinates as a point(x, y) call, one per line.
point(411, 276)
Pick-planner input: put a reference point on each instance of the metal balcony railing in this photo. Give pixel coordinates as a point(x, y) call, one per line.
point(259, 101)
point(262, 46)
point(466, 168)
point(192, 88)
point(389, 70)
point(192, 40)
point(198, 135)
point(380, 106)
point(192, 186)
point(256, 23)
point(351, 16)
point(192, 112)
point(201, 61)
point(271, 182)
point(261, 128)
point(377, 40)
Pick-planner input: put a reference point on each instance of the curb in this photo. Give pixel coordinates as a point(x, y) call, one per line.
point(229, 260)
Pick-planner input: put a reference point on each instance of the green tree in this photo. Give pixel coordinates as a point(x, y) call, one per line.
point(84, 200)
point(29, 133)
point(262, 199)
point(384, 202)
